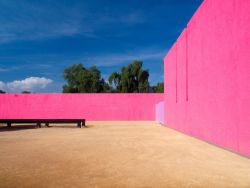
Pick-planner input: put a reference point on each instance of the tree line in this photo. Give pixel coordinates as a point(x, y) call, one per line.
point(24, 92)
point(130, 79)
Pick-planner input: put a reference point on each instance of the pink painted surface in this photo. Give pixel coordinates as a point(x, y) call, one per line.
point(159, 112)
point(207, 76)
point(88, 106)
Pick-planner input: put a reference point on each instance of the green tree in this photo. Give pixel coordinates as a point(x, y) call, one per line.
point(131, 79)
point(114, 81)
point(159, 88)
point(26, 92)
point(82, 80)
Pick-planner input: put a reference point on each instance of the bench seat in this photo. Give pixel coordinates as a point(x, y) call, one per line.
point(38, 122)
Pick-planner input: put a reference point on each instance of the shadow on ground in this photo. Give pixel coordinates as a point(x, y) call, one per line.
point(4, 128)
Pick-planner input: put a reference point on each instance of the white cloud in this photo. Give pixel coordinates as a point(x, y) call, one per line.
point(52, 19)
point(34, 21)
point(28, 84)
point(109, 60)
point(2, 85)
point(130, 18)
point(3, 70)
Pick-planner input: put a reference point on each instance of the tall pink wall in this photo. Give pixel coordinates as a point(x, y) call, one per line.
point(207, 76)
point(88, 106)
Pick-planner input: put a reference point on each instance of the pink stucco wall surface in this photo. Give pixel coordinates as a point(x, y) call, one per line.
point(88, 106)
point(207, 76)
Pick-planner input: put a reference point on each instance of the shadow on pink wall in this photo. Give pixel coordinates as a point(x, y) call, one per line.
point(207, 75)
point(88, 106)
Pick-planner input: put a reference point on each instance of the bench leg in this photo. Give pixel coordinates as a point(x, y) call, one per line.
point(79, 124)
point(38, 125)
point(8, 124)
point(47, 124)
point(83, 123)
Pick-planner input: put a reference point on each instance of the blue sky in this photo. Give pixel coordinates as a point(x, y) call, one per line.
point(40, 38)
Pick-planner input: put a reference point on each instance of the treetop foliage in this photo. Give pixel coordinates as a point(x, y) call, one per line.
point(82, 80)
point(131, 79)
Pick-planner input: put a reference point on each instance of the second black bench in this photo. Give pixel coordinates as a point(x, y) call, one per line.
point(38, 122)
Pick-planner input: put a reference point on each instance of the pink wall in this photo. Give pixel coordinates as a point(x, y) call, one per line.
point(207, 76)
point(88, 106)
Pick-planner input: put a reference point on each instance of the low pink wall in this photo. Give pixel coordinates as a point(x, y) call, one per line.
point(207, 76)
point(88, 106)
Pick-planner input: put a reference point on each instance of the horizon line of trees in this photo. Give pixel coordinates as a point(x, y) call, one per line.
point(24, 92)
point(130, 79)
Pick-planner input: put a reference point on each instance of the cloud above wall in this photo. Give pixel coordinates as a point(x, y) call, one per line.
point(2, 85)
point(45, 21)
point(28, 84)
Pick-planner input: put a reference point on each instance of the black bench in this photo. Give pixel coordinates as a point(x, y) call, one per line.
point(38, 122)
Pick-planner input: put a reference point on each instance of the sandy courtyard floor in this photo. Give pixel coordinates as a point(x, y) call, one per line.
point(115, 154)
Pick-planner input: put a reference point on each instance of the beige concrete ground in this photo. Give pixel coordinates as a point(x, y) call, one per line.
point(115, 154)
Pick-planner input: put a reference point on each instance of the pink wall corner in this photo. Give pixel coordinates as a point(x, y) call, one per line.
point(88, 106)
point(216, 57)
